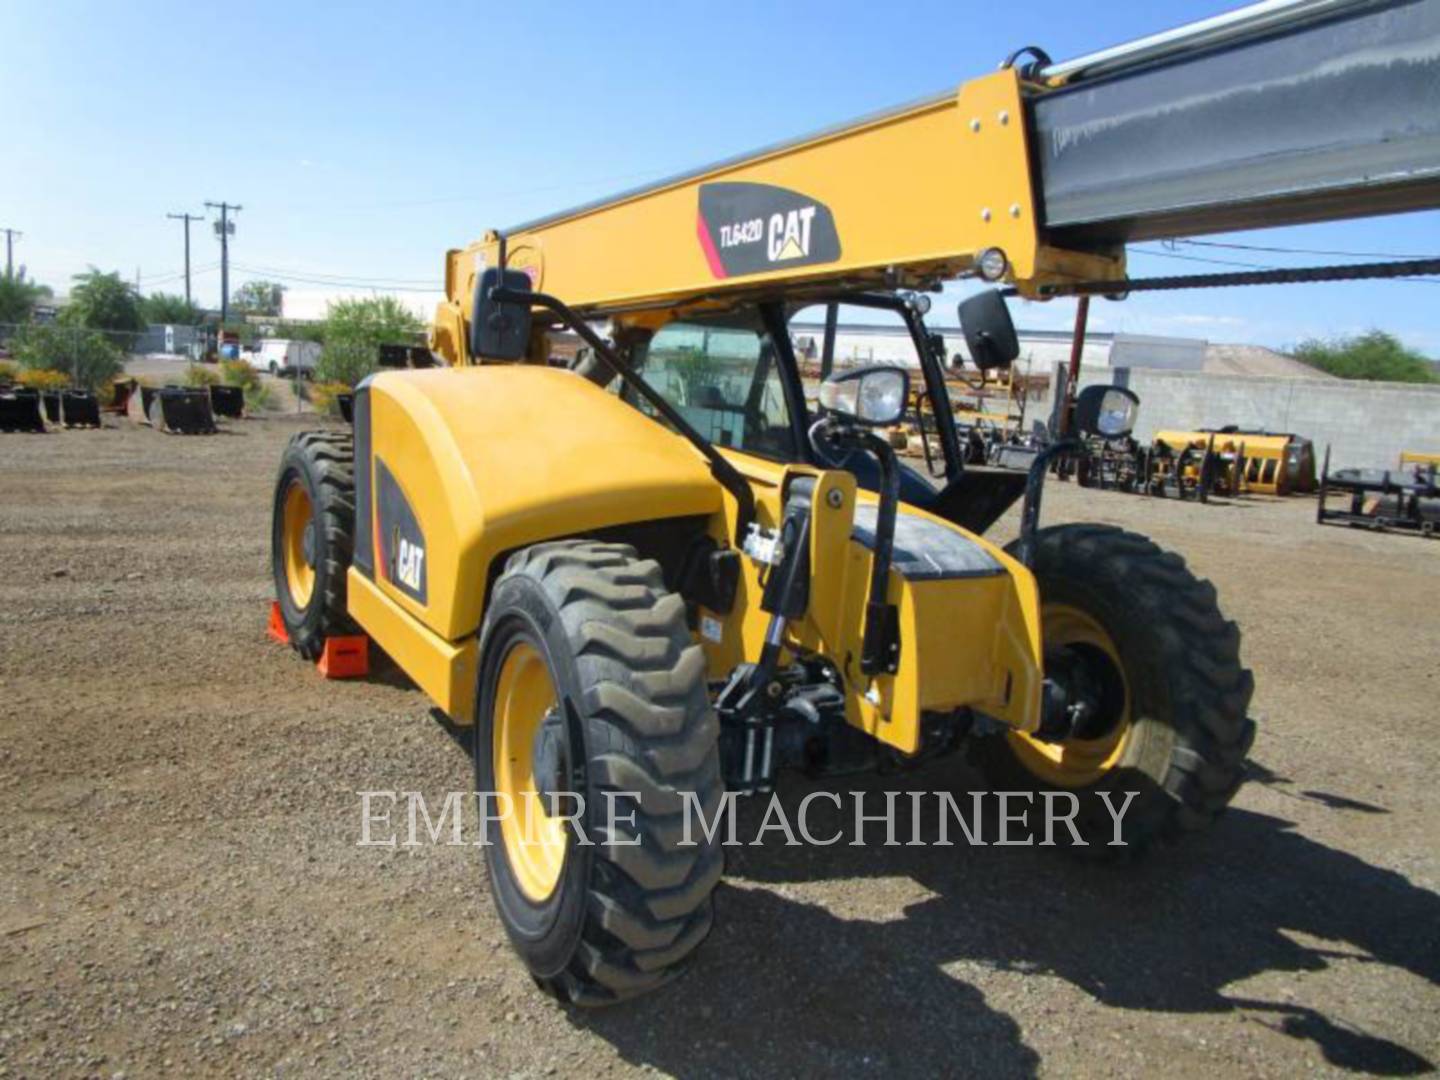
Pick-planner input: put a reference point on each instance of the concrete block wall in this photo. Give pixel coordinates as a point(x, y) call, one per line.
point(1367, 424)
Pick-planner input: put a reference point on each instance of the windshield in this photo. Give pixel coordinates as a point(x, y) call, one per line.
point(724, 380)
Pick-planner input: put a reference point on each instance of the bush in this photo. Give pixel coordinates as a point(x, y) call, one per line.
point(326, 395)
point(87, 356)
point(259, 397)
point(239, 373)
point(169, 309)
point(354, 331)
point(8, 372)
point(42, 379)
point(1375, 356)
point(200, 375)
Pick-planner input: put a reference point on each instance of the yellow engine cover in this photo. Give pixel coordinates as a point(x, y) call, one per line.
point(491, 459)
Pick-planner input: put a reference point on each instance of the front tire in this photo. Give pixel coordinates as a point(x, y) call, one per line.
point(312, 537)
point(589, 682)
point(1147, 641)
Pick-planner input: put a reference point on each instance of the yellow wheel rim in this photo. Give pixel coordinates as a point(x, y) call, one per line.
point(1076, 762)
point(534, 841)
point(297, 515)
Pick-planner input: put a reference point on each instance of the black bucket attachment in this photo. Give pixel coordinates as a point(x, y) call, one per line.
point(50, 400)
point(347, 407)
point(147, 399)
point(20, 409)
point(81, 408)
point(183, 411)
point(120, 397)
point(228, 401)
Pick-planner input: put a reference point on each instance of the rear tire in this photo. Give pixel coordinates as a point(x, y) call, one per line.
point(1186, 731)
point(316, 484)
point(631, 713)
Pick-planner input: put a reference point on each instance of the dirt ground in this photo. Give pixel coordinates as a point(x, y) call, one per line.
point(181, 891)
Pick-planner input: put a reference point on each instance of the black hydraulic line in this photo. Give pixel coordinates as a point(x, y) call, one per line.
point(728, 476)
point(1034, 489)
point(1292, 276)
point(880, 642)
point(827, 348)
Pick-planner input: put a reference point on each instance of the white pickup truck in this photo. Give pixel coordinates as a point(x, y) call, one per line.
point(281, 356)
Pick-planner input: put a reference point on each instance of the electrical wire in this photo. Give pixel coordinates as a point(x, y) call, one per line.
point(1299, 251)
point(337, 281)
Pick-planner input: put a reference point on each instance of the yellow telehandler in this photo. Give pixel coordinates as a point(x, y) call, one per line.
point(663, 575)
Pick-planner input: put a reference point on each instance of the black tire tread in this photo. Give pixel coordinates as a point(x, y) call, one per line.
point(650, 728)
point(1210, 688)
point(330, 458)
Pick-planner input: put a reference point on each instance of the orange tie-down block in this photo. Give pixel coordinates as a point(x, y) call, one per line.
point(345, 657)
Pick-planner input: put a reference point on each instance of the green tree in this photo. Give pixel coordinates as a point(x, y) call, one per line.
point(103, 302)
point(169, 309)
point(354, 332)
point(300, 331)
point(258, 298)
point(18, 297)
point(1375, 356)
point(87, 356)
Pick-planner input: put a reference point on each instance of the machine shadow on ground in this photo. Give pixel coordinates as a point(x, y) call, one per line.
point(782, 981)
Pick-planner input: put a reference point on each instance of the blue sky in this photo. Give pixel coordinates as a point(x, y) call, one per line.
point(364, 140)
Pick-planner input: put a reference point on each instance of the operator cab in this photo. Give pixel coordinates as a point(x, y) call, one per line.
point(735, 378)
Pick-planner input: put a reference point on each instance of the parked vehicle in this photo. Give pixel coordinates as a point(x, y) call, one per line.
point(281, 356)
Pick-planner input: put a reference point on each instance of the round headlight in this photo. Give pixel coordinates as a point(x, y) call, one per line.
point(992, 264)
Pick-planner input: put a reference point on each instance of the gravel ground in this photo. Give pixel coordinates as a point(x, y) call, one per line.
point(181, 891)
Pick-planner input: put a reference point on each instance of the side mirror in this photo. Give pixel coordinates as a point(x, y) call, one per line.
point(1106, 411)
point(499, 331)
point(989, 333)
point(873, 396)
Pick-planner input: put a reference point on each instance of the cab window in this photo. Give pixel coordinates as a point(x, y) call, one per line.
point(723, 378)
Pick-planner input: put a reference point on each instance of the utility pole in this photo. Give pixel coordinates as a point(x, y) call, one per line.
point(187, 218)
point(10, 235)
point(225, 227)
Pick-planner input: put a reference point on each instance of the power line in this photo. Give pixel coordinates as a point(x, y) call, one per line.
point(175, 275)
point(1300, 251)
point(339, 282)
point(344, 278)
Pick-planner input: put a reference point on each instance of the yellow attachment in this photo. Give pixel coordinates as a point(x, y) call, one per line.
point(296, 517)
point(534, 841)
point(1416, 457)
point(1266, 457)
point(1076, 762)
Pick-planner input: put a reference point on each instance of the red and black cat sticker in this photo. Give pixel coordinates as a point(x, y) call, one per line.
point(752, 228)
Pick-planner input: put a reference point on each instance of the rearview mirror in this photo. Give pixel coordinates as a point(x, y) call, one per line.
point(874, 396)
point(1106, 411)
point(499, 331)
point(989, 333)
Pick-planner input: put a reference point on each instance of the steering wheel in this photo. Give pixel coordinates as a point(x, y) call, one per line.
point(824, 449)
